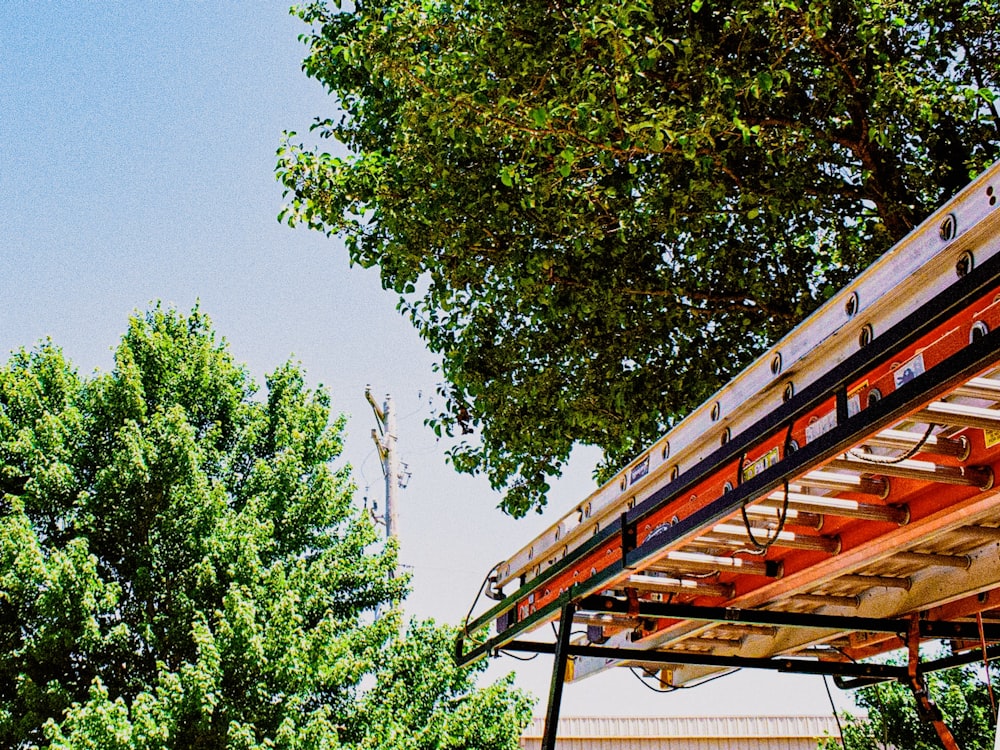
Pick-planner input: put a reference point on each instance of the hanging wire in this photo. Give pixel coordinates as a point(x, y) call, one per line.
point(702, 576)
point(361, 468)
point(833, 709)
point(673, 688)
point(482, 587)
point(885, 460)
point(875, 690)
point(761, 548)
point(555, 632)
point(647, 673)
point(515, 656)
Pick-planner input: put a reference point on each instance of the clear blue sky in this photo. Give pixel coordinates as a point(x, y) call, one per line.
point(137, 150)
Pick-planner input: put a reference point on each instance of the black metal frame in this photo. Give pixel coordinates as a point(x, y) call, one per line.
point(928, 628)
point(860, 674)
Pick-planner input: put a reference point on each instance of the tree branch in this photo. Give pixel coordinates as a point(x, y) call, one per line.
point(734, 302)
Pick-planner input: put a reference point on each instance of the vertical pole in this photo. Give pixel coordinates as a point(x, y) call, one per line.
point(926, 707)
point(385, 438)
point(385, 442)
point(391, 471)
point(986, 662)
point(996, 733)
point(558, 676)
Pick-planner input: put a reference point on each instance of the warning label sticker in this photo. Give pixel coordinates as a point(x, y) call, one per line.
point(909, 370)
point(767, 460)
point(829, 420)
point(824, 424)
point(639, 471)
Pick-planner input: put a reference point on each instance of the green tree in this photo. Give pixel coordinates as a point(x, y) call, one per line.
point(597, 213)
point(892, 721)
point(182, 567)
point(423, 701)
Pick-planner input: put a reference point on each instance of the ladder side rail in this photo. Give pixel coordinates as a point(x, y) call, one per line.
point(933, 315)
point(894, 406)
point(925, 260)
point(970, 360)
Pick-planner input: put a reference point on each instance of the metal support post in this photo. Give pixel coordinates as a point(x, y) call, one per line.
point(996, 734)
point(558, 676)
point(926, 707)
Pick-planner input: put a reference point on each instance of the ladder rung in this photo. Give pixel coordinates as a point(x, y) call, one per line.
point(986, 533)
point(929, 559)
point(696, 562)
point(739, 630)
point(794, 516)
point(828, 480)
point(933, 444)
point(679, 650)
point(986, 389)
point(696, 642)
point(838, 506)
point(658, 585)
point(825, 600)
point(970, 476)
point(788, 539)
point(713, 543)
point(959, 415)
point(891, 582)
point(608, 619)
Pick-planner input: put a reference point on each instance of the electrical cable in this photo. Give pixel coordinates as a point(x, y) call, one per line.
point(703, 576)
point(762, 547)
point(885, 460)
point(674, 688)
point(361, 468)
point(514, 656)
point(482, 587)
point(634, 670)
point(875, 690)
point(572, 633)
point(836, 717)
point(412, 413)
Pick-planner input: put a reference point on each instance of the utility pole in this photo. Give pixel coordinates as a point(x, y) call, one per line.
point(385, 438)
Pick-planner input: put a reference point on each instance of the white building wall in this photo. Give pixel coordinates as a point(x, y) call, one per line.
point(685, 733)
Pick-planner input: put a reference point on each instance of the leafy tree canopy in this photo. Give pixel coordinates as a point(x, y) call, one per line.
point(597, 213)
point(181, 566)
point(892, 720)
